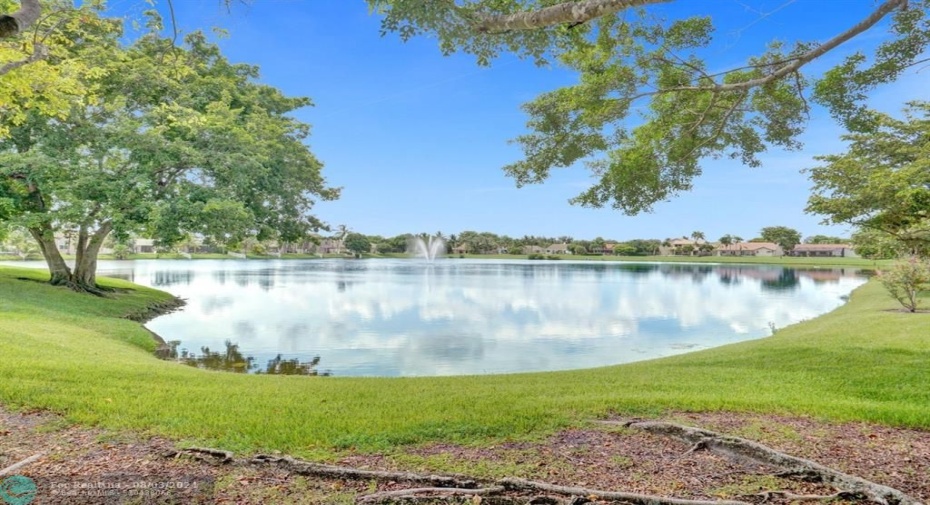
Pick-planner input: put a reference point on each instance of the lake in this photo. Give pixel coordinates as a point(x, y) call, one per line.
point(407, 317)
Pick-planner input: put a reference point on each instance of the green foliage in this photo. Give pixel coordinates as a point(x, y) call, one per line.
point(693, 112)
point(177, 141)
point(357, 243)
point(825, 239)
point(785, 237)
point(906, 279)
point(50, 85)
point(877, 245)
point(882, 181)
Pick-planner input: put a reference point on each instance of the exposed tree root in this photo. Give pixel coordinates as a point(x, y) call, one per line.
point(19, 464)
point(634, 498)
point(205, 454)
point(432, 492)
point(769, 495)
point(741, 448)
point(341, 472)
point(459, 489)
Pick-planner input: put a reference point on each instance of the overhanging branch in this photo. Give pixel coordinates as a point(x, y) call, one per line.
point(39, 52)
point(564, 13)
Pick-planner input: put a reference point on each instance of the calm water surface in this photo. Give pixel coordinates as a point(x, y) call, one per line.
point(454, 316)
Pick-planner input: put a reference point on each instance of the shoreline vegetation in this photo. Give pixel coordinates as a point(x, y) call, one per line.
point(788, 261)
point(79, 356)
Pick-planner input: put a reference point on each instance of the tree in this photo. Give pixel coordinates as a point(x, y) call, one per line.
point(825, 239)
point(726, 240)
point(785, 237)
point(697, 236)
point(191, 146)
point(357, 244)
point(905, 279)
point(42, 71)
point(624, 55)
point(22, 244)
point(877, 245)
point(882, 181)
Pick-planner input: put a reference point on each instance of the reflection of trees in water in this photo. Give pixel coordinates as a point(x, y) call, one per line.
point(232, 360)
point(293, 366)
point(172, 277)
point(787, 280)
point(697, 273)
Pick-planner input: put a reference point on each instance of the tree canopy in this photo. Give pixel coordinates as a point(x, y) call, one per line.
point(180, 141)
point(623, 54)
point(785, 237)
point(882, 181)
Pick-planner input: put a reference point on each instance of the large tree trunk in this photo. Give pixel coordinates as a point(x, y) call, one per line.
point(17, 22)
point(85, 267)
point(45, 236)
point(83, 277)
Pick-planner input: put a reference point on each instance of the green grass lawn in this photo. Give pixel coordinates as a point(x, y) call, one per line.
point(74, 354)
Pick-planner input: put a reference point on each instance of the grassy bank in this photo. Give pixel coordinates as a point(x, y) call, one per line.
point(75, 355)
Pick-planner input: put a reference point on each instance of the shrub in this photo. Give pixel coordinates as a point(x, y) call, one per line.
point(905, 279)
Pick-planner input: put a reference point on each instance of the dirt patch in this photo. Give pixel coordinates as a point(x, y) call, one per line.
point(599, 457)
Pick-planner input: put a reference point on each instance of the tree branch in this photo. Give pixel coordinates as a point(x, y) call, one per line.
point(573, 13)
point(790, 65)
point(12, 25)
point(870, 21)
point(39, 52)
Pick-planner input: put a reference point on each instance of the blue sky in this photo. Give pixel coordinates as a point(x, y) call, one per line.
point(417, 140)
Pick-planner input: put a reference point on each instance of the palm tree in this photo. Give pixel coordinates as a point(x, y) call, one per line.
point(697, 236)
point(726, 241)
point(341, 232)
point(739, 243)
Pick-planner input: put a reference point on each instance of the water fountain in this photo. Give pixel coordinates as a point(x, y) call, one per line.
point(429, 248)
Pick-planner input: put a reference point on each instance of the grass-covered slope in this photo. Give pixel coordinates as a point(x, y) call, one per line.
point(74, 354)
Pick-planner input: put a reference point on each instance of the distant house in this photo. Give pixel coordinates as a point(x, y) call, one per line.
point(750, 249)
point(460, 249)
point(533, 249)
point(558, 249)
point(143, 245)
point(824, 250)
point(330, 246)
point(65, 243)
point(679, 246)
point(609, 249)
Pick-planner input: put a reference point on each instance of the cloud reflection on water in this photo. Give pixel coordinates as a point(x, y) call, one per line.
point(404, 317)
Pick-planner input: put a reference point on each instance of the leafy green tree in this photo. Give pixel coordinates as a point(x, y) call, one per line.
point(357, 243)
point(40, 71)
point(182, 141)
point(785, 237)
point(577, 249)
point(624, 55)
point(882, 181)
point(825, 239)
point(23, 245)
point(906, 279)
point(877, 245)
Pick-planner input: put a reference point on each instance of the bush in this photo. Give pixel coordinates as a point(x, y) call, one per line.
point(905, 279)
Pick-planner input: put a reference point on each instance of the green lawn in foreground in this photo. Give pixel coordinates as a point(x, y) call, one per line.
point(73, 354)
